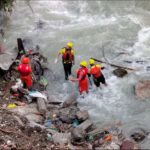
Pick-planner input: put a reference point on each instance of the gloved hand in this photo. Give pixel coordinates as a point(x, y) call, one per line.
point(56, 60)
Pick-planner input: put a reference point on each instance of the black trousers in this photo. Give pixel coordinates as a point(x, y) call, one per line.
point(99, 80)
point(67, 70)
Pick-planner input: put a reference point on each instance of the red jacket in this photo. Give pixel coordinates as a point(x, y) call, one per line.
point(95, 71)
point(24, 69)
point(83, 81)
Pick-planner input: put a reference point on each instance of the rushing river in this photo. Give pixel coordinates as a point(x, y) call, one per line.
point(101, 29)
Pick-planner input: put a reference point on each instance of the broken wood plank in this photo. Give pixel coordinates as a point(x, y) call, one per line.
point(114, 65)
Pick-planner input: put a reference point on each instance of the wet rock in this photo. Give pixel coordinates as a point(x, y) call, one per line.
point(41, 105)
point(128, 145)
point(65, 119)
point(82, 115)
point(70, 100)
point(40, 24)
point(140, 61)
point(61, 138)
point(85, 125)
point(120, 72)
point(128, 61)
point(78, 134)
point(142, 89)
point(138, 134)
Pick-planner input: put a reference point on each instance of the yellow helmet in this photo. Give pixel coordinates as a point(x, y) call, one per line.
point(83, 63)
point(70, 44)
point(91, 61)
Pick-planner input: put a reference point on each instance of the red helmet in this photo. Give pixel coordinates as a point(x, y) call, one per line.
point(25, 60)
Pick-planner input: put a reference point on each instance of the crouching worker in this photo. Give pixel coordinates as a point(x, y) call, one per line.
point(95, 71)
point(25, 72)
point(82, 77)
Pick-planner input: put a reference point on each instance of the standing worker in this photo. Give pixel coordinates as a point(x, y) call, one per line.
point(25, 72)
point(82, 77)
point(95, 71)
point(68, 58)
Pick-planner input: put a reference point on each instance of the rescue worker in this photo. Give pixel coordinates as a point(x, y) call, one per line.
point(95, 71)
point(25, 72)
point(82, 77)
point(68, 58)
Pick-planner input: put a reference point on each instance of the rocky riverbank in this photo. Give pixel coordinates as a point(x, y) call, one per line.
point(45, 123)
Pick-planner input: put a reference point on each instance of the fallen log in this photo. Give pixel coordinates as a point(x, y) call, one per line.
point(114, 65)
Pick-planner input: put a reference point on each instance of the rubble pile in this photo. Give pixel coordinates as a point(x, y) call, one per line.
point(29, 121)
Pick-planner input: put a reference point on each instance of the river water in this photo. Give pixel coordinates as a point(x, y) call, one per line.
point(99, 29)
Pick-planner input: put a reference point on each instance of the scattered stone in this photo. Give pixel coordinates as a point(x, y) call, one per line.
point(138, 134)
point(19, 120)
point(34, 118)
point(78, 134)
point(41, 106)
point(1, 93)
point(128, 145)
point(142, 89)
point(61, 138)
point(70, 100)
point(120, 72)
point(85, 125)
point(82, 115)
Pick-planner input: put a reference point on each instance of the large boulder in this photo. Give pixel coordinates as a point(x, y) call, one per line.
point(120, 72)
point(142, 89)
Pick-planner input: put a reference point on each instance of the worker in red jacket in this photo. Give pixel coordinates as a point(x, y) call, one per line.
point(82, 77)
point(25, 72)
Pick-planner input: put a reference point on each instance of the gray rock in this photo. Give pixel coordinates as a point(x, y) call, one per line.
point(82, 115)
point(41, 105)
point(61, 138)
point(120, 72)
point(70, 100)
point(85, 125)
point(78, 134)
point(94, 132)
